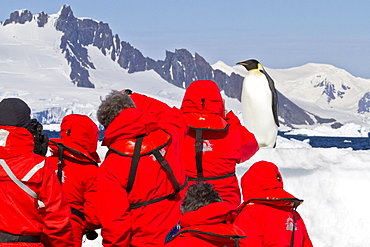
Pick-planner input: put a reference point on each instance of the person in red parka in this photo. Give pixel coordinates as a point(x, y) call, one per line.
point(206, 221)
point(34, 211)
point(75, 161)
point(268, 215)
point(141, 180)
point(216, 142)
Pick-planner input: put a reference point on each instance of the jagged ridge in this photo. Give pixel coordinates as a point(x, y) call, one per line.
point(179, 68)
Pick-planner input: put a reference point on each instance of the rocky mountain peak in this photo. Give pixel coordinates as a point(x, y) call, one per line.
point(330, 90)
point(19, 16)
point(42, 19)
point(66, 13)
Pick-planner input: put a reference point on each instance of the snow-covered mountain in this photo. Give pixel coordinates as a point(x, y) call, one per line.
point(61, 64)
point(324, 85)
point(33, 66)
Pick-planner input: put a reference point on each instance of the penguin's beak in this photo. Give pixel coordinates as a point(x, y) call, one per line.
point(242, 63)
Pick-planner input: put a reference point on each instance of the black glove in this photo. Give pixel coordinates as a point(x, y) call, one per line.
point(91, 235)
point(41, 140)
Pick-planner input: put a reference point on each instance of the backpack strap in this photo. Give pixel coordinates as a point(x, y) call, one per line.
point(78, 213)
point(60, 162)
point(241, 207)
point(199, 153)
point(140, 204)
point(133, 170)
point(296, 203)
point(213, 178)
point(134, 163)
point(237, 240)
point(199, 159)
point(169, 171)
point(61, 148)
point(90, 234)
point(201, 230)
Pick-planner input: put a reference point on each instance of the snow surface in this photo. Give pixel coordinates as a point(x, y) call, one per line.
point(333, 182)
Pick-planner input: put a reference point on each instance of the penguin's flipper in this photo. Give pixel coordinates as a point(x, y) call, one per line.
point(275, 103)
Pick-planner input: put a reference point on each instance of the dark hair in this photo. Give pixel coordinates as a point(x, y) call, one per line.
point(199, 195)
point(112, 105)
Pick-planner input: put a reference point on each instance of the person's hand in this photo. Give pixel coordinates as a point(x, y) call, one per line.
point(126, 91)
point(41, 140)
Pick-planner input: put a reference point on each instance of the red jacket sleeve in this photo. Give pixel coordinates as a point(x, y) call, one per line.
point(145, 103)
point(56, 214)
point(249, 143)
point(91, 199)
point(113, 209)
point(168, 118)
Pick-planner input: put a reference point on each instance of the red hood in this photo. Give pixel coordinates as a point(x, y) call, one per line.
point(263, 181)
point(213, 213)
point(129, 124)
point(203, 101)
point(15, 141)
point(80, 134)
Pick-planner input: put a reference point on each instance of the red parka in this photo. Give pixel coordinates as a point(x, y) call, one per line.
point(78, 142)
point(225, 141)
point(209, 226)
point(268, 213)
point(20, 213)
point(124, 222)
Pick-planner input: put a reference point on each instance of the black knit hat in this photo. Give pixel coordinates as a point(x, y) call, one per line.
point(14, 112)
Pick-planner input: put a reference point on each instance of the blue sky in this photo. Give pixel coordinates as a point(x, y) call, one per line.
point(278, 33)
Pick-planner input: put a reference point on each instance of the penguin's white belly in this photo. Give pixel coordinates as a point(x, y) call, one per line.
point(257, 110)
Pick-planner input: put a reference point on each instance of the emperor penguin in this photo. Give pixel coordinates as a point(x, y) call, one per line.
point(259, 104)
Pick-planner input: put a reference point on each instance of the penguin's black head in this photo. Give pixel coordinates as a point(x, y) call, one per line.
point(250, 64)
